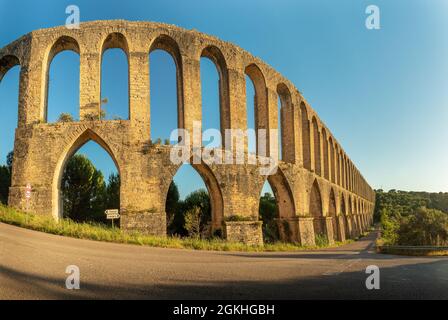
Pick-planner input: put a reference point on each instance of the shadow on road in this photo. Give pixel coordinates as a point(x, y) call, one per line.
point(414, 281)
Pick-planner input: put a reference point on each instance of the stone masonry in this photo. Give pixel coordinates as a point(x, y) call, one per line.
point(317, 188)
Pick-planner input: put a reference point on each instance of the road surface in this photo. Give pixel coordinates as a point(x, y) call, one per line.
point(33, 265)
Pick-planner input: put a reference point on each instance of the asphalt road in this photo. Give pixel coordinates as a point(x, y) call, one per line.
point(33, 264)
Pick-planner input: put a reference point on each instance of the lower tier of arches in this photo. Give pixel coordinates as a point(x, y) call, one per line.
point(309, 206)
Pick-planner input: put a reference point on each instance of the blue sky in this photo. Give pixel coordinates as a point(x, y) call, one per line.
point(383, 93)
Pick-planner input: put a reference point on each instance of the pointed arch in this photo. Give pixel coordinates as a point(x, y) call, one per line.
point(332, 212)
point(63, 43)
point(345, 215)
point(214, 191)
point(68, 152)
point(283, 194)
point(316, 209)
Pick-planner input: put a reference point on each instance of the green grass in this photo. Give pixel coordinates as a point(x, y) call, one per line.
point(99, 232)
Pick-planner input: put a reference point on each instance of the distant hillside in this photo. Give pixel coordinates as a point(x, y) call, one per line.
point(405, 202)
point(412, 218)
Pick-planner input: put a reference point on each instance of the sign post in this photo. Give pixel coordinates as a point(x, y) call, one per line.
point(112, 214)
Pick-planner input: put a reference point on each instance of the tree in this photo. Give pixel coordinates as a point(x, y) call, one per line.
point(424, 227)
point(171, 207)
point(113, 192)
point(65, 117)
point(193, 219)
point(5, 178)
point(9, 160)
point(268, 212)
point(83, 190)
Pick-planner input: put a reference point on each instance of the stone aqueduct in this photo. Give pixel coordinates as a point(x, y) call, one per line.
point(317, 187)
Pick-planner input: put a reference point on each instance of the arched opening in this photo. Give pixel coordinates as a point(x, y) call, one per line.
point(325, 154)
point(285, 124)
point(316, 209)
point(115, 78)
point(276, 207)
point(9, 95)
point(306, 147)
point(344, 216)
point(194, 203)
point(61, 97)
point(333, 214)
point(215, 99)
point(256, 107)
point(333, 165)
point(317, 153)
point(350, 216)
point(86, 181)
point(165, 90)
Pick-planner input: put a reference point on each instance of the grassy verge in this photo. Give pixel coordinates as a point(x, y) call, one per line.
point(98, 232)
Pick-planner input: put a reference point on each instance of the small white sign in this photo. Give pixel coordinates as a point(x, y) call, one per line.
point(112, 214)
point(28, 191)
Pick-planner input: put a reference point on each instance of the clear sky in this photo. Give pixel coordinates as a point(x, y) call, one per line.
point(383, 93)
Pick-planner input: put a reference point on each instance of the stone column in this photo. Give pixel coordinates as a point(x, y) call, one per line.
point(90, 85)
point(237, 116)
point(341, 229)
point(191, 98)
point(297, 229)
point(248, 232)
point(139, 93)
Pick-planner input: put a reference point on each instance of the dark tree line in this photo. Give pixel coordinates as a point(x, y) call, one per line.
point(5, 178)
point(85, 193)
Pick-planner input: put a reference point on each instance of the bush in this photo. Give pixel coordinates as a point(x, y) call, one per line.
point(425, 227)
point(65, 117)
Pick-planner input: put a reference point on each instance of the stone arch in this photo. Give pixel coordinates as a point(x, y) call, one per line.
point(8, 62)
point(345, 215)
point(214, 54)
point(68, 152)
point(214, 191)
point(283, 194)
point(316, 208)
point(332, 212)
point(306, 135)
point(337, 163)
point(169, 45)
point(116, 40)
point(333, 166)
point(286, 122)
point(261, 102)
point(317, 147)
point(325, 156)
point(62, 43)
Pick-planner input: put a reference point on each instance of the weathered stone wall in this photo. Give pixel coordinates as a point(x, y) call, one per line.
point(313, 165)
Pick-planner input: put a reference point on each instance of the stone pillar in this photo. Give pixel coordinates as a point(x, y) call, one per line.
point(273, 144)
point(237, 116)
point(325, 227)
point(90, 85)
point(191, 98)
point(297, 229)
point(349, 231)
point(341, 229)
point(248, 232)
point(139, 113)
